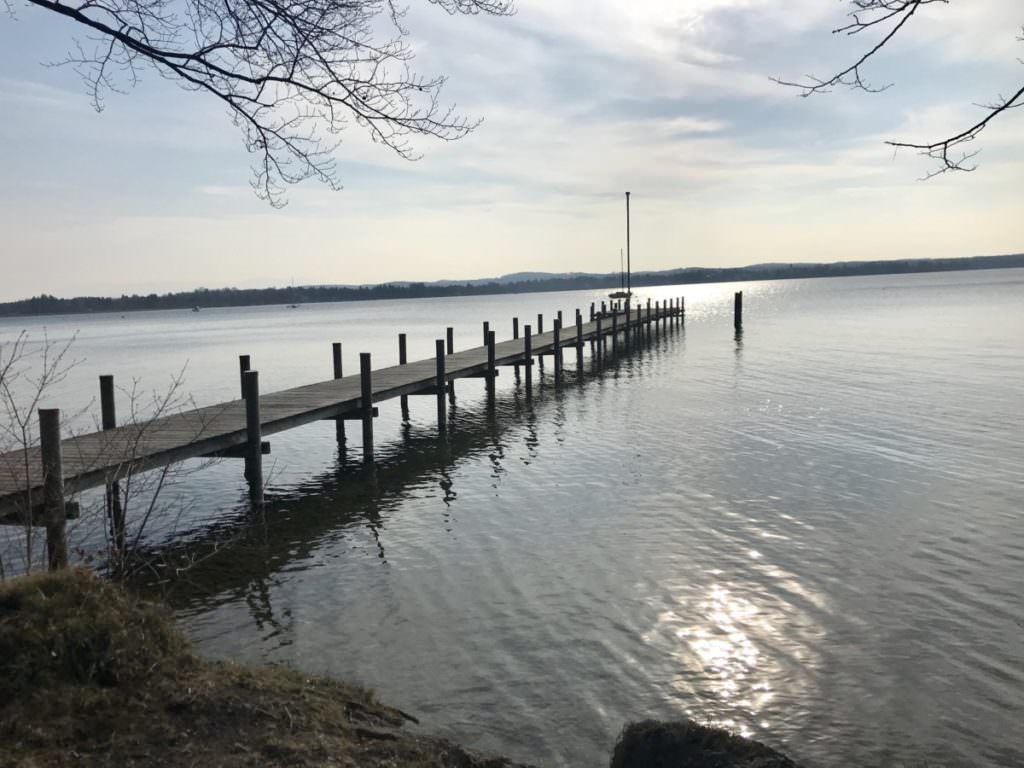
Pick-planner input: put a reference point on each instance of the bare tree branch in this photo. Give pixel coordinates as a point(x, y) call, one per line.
point(868, 14)
point(291, 75)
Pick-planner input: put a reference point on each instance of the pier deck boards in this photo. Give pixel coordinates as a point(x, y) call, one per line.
point(91, 460)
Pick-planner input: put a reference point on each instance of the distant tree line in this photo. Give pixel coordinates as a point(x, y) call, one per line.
point(239, 297)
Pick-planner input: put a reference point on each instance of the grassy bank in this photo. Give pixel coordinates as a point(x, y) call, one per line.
point(92, 675)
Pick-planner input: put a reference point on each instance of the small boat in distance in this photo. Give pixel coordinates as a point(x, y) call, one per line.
point(625, 288)
point(622, 293)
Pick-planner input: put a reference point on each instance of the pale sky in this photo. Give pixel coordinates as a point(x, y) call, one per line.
point(581, 101)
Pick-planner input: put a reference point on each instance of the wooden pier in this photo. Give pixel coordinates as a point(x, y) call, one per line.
point(34, 483)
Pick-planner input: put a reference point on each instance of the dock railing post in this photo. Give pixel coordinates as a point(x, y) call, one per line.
point(592, 312)
point(339, 423)
point(528, 360)
point(54, 513)
point(244, 364)
point(403, 359)
point(556, 351)
point(112, 496)
point(439, 385)
point(599, 339)
point(449, 336)
point(487, 329)
point(615, 332)
point(366, 404)
point(737, 311)
point(639, 323)
point(579, 343)
point(492, 370)
point(253, 437)
point(515, 335)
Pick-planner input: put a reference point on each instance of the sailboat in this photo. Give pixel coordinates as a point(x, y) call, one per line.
point(625, 291)
point(622, 293)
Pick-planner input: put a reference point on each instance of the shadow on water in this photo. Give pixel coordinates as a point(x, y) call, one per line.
point(236, 559)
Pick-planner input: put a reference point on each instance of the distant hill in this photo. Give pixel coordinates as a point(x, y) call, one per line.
point(518, 282)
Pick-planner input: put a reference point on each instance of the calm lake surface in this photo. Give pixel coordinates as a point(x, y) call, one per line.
point(813, 534)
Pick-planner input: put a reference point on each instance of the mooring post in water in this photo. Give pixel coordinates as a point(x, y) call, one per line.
point(604, 308)
point(639, 324)
point(579, 343)
point(449, 336)
point(592, 312)
point(556, 351)
point(682, 309)
point(53, 488)
point(492, 370)
point(108, 420)
point(253, 437)
point(599, 340)
point(439, 385)
point(515, 335)
point(737, 311)
point(366, 404)
point(487, 329)
point(339, 423)
point(559, 316)
point(403, 359)
point(528, 360)
point(244, 364)
point(615, 332)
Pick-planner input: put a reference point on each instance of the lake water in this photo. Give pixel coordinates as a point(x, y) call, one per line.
point(813, 534)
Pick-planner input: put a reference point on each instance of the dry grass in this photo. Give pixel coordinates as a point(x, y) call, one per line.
point(92, 676)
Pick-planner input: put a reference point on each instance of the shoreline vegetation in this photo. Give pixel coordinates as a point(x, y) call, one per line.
point(93, 675)
point(536, 282)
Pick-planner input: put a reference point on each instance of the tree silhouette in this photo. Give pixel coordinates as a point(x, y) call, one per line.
point(291, 74)
point(889, 17)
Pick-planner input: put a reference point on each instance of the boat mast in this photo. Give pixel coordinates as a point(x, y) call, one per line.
point(622, 272)
point(629, 269)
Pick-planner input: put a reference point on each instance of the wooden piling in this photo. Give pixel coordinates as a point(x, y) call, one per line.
point(599, 337)
point(737, 311)
point(556, 351)
point(112, 490)
point(579, 343)
point(540, 324)
point(528, 360)
point(615, 332)
point(559, 316)
point(487, 329)
point(403, 359)
point(244, 364)
point(54, 512)
point(592, 312)
point(439, 385)
point(515, 327)
point(253, 437)
point(339, 423)
point(492, 370)
point(449, 337)
point(366, 404)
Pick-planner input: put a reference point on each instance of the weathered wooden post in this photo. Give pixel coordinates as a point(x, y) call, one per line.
point(592, 312)
point(515, 335)
point(450, 343)
point(403, 359)
point(540, 324)
point(244, 364)
point(579, 343)
point(639, 324)
point(604, 308)
point(560, 321)
point(600, 339)
point(682, 309)
point(659, 321)
point(115, 512)
point(253, 437)
point(528, 360)
point(556, 351)
point(53, 488)
point(487, 329)
point(339, 423)
point(366, 404)
point(492, 370)
point(737, 311)
point(439, 385)
point(615, 332)
point(647, 319)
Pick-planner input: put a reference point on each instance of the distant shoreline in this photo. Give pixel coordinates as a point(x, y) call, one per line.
point(533, 283)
